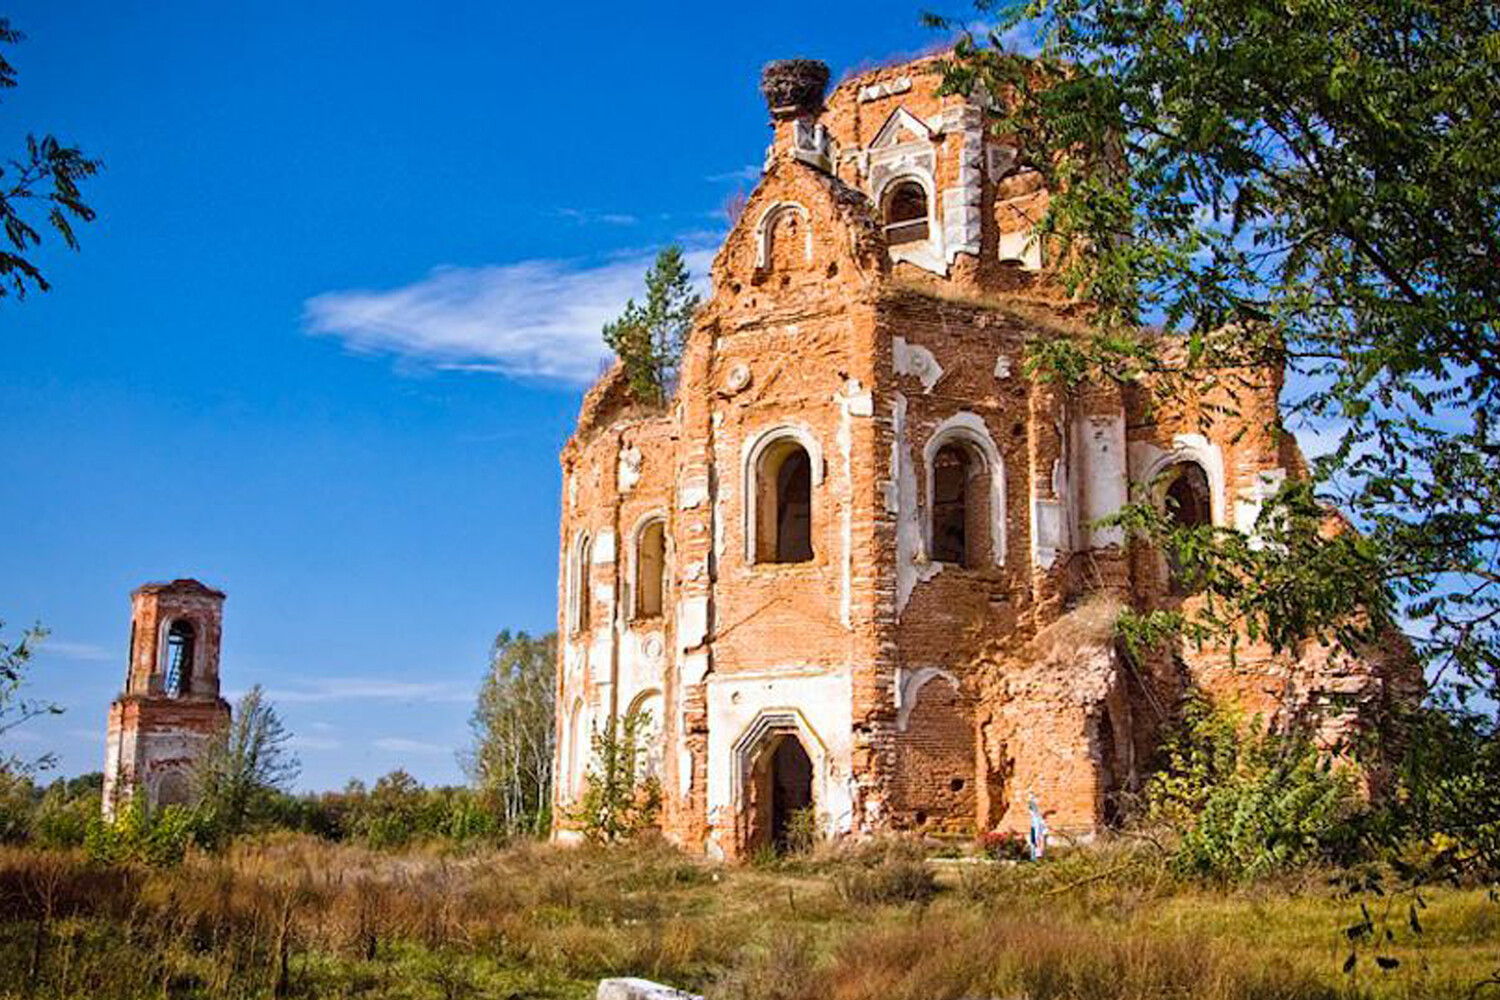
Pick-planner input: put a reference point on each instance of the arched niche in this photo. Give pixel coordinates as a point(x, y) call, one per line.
point(784, 220)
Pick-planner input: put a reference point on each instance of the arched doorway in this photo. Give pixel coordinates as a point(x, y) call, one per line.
point(781, 789)
point(791, 789)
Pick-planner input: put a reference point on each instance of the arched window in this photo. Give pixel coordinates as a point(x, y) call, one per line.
point(783, 485)
point(181, 641)
point(650, 568)
point(578, 610)
point(957, 505)
point(1188, 503)
point(964, 499)
point(905, 213)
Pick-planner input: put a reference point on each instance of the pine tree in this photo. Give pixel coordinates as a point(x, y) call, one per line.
point(649, 338)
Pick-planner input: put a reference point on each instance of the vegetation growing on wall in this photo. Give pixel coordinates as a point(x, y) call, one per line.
point(649, 339)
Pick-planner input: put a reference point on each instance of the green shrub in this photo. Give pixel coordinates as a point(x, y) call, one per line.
point(619, 800)
point(1248, 801)
point(61, 821)
point(138, 835)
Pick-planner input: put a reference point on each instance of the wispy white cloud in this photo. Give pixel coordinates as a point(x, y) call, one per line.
point(326, 689)
point(399, 744)
point(532, 319)
point(76, 650)
point(750, 173)
point(607, 218)
point(313, 743)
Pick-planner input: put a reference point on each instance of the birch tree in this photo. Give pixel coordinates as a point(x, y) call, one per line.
point(514, 731)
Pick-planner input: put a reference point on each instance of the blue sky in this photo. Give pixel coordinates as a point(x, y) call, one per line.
point(332, 326)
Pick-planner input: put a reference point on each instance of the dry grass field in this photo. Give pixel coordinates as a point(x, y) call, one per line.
point(293, 916)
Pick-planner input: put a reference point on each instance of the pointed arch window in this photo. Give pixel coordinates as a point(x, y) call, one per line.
point(965, 523)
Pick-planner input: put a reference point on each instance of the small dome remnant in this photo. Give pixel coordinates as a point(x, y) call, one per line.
point(794, 87)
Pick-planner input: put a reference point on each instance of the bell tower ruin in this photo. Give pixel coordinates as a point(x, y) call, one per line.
point(170, 708)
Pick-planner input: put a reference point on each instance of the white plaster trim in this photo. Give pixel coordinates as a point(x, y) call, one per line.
point(751, 454)
point(692, 622)
point(768, 219)
point(604, 549)
point(912, 566)
point(909, 689)
point(578, 561)
point(970, 428)
point(875, 91)
point(888, 135)
point(917, 361)
point(628, 470)
point(1189, 448)
point(854, 400)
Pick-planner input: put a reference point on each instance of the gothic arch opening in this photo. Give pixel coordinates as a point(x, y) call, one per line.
point(646, 713)
point(781, 790)
point(1188, 498)
point(578, 572)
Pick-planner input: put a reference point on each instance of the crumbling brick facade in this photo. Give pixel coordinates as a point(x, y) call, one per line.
point(877, 533)
point(170, 708)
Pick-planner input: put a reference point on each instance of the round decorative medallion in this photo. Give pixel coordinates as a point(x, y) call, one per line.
point(738, 379)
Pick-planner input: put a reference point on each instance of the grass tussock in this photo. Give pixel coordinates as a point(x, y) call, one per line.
point(290, 916)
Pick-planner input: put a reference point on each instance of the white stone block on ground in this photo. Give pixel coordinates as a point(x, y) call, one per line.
point(639, 989)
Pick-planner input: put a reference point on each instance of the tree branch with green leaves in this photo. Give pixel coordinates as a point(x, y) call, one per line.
point(1314, 185)
point(39, 190)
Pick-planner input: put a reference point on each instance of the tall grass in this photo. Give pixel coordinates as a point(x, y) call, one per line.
point(293, 916)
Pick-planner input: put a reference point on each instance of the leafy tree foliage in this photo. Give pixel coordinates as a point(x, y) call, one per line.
point(1248, 801)
point(1314, 183)
point(514, 728)
point(15, 658)
point(619, 800)
point(649, 338)
point(138, 835)
point(245, 763)
point(38, 190)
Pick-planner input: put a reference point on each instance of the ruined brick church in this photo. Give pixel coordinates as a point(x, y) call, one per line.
point(853, 565)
